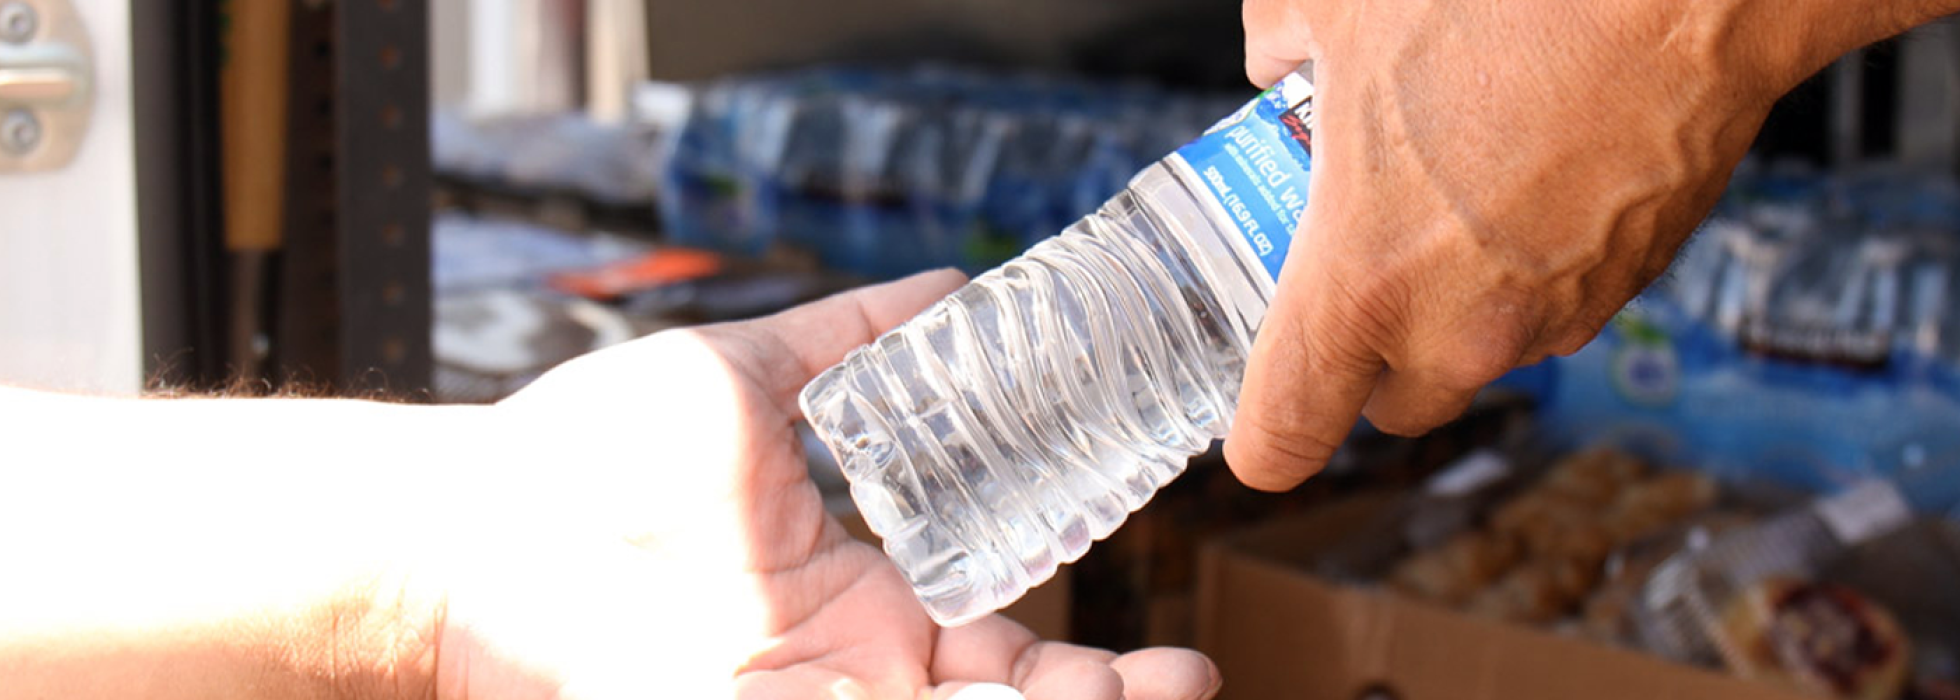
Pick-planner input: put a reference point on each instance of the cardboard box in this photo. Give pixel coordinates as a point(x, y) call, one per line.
point(1277, 631)
point(1044, 610)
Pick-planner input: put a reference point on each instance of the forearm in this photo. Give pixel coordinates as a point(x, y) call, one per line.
point(1786, 42)
point(351, 644)
point(201, 549)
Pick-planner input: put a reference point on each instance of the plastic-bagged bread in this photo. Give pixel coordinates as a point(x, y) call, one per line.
point(1451, 573)
point(1820, 637)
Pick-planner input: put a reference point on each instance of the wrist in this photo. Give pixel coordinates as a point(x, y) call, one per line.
point(294, 561)
point(376, 638)
point(1779, 43)
point(359, 522)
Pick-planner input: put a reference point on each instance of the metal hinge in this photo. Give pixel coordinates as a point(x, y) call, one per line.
point(46, 84)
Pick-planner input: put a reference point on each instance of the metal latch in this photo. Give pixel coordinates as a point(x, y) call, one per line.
point(46, 84)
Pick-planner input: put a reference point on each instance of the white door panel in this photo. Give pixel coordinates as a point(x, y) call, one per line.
point(69, 313)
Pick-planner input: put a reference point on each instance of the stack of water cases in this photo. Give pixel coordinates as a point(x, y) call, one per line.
point(884, 173)
point(1808, 335)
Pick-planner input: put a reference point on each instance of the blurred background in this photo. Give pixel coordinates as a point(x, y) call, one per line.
point(1747, 487)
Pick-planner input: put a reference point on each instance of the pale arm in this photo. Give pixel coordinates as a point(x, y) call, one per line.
point(208, 549)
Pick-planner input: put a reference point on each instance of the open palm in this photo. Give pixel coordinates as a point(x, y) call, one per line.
point(684, 551)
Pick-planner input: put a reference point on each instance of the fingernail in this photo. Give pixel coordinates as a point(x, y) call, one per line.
point(1217, 681)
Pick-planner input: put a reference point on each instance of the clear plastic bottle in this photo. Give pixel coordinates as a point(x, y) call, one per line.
point(997, 435)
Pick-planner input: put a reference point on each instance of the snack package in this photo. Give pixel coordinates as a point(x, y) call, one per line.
point(1606, 616)
point(1809, 334)
point(1501, 540)
point(1815, 636)
point(1914, 572)
point(1754, 600)
point(1436, 521)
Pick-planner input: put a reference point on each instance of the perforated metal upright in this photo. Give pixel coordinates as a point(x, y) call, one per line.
point(354, 296)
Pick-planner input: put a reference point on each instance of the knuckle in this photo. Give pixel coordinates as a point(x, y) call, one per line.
point(1569, 335)
point(1479, 366)
point(1412, 405)
point(1482, 347)
point(1459, 365)
point(1399, 422)
point(1572, 342)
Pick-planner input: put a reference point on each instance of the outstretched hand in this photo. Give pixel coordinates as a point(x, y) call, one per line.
point(683, 551)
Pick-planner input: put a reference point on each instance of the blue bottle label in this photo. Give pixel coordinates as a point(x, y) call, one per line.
point(1256, 165)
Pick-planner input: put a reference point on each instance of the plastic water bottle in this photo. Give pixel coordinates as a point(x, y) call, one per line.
point(997, 435)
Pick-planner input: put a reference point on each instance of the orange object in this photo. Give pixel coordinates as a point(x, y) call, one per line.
point(655, 269)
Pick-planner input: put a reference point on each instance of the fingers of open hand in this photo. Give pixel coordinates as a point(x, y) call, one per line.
point(801, 682)
point(1034, 671)
point(1166, 673)
point(1051, 671)
point(1054, 671)
point(995, 649)
point(998, 650)
point(787, 350)
point(976, 691)
point(984, 650)
point(779, 353)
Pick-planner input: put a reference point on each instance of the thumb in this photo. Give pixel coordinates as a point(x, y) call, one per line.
point(1311, 371)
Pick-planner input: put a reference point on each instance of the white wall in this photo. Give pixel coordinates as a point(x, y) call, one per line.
point(519, 56)
point(449, 51)
point(69, 316)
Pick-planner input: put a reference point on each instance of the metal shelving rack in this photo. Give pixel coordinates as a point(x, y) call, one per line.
point(354, 299)
point(350, 300)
